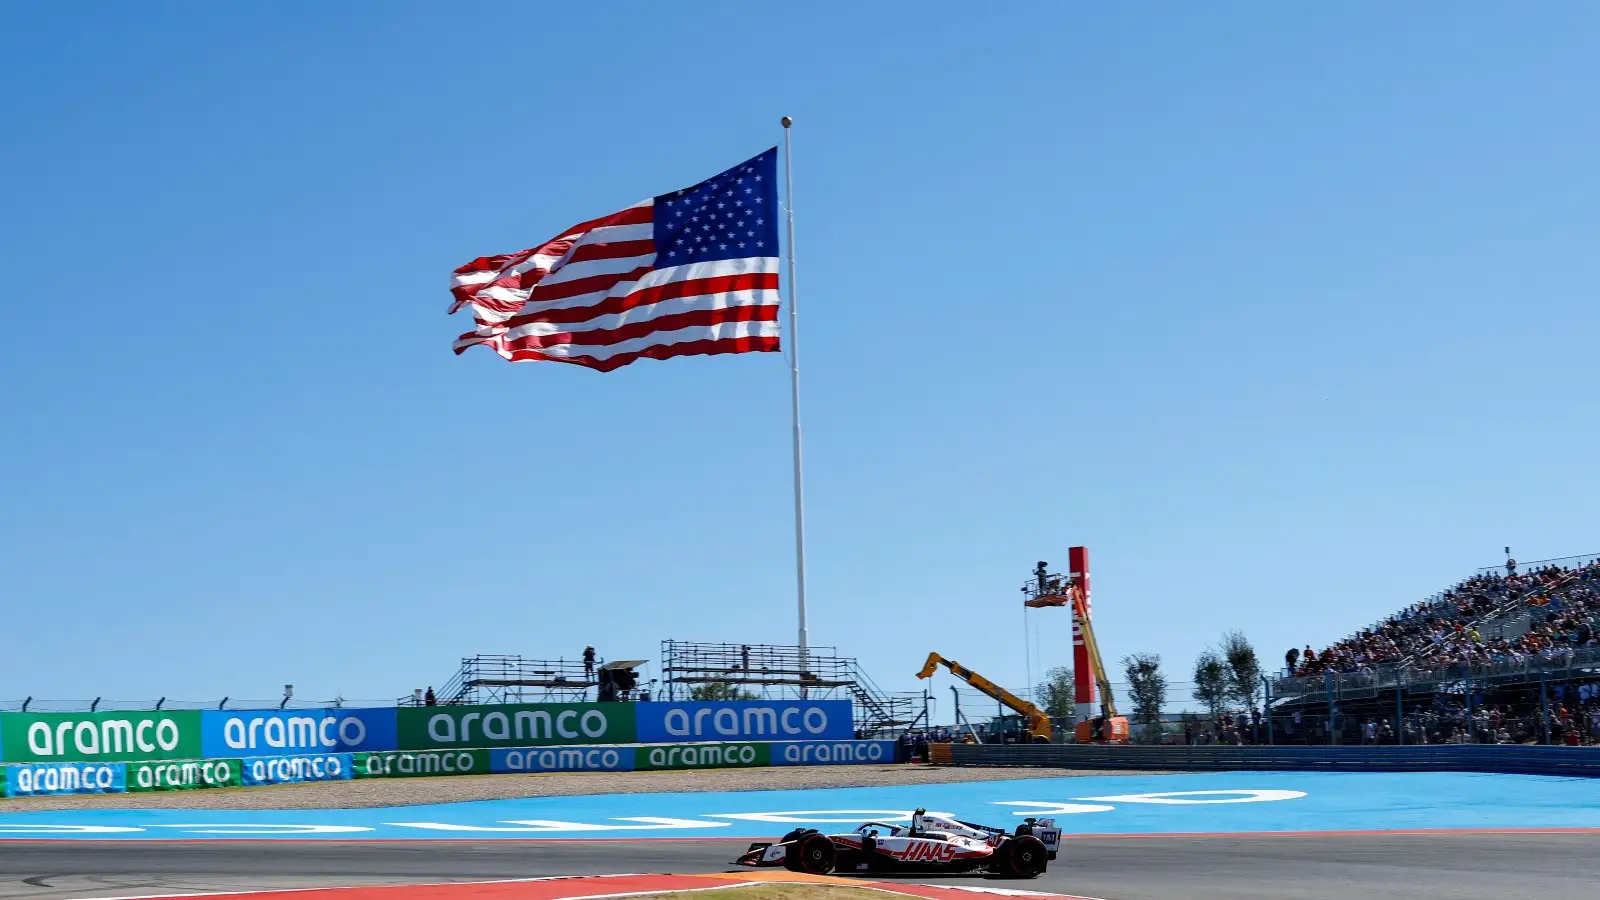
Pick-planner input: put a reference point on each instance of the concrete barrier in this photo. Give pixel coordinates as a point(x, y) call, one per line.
point(1494, 758)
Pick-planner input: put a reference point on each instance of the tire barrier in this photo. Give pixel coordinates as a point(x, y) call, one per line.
point(34, 779)
point(1489, 758)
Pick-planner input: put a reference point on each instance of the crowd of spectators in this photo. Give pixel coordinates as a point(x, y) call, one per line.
point(1574, 720)
point(1230, 729)
point(914, 744)
point(1563, 605)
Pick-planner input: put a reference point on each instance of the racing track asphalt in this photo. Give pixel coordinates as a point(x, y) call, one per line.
point(1550, 866)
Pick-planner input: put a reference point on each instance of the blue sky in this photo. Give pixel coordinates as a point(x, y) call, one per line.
point(1287, 313)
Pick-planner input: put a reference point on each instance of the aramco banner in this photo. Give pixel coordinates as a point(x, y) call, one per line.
point(237, 734)
point(745, 720)
point(183, 776)
point(295, 732)
point(516, 725)
point(294, 769)
point(100, 737)
point(196, 774)
point(65, 778)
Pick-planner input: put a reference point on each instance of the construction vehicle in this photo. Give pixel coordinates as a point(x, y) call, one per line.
point(1047, 590)
point(1038, 724)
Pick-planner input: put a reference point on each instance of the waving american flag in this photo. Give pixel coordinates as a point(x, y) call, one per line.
point(693, 272)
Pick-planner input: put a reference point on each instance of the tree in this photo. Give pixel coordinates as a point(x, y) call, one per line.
point(1057, 696)
point(1149, 689)
point(719, 691)
point(1244, 669)
point(1212, 684)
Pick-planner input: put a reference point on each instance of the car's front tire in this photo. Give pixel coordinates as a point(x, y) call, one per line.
point(812, 854)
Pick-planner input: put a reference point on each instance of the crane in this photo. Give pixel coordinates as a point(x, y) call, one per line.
point(1046, 590)
point(1038, 722)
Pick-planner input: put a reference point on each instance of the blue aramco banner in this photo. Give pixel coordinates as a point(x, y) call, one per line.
point(562, 759)
point(293, 769)
point(811, 753)
point(66, 778)
point(745, 720)
point(296, 732)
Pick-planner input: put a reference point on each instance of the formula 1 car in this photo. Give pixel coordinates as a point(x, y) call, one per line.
point(932, 843)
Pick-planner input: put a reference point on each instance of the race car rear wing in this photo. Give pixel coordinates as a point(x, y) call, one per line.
point(1046, 831)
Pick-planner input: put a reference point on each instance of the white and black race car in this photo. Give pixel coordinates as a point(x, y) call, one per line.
point(931, 843)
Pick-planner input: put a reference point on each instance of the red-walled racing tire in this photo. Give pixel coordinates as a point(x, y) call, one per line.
point(1023, 857)
point(813, 855)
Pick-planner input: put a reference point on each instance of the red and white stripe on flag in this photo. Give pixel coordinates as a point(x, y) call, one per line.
point(692, 272)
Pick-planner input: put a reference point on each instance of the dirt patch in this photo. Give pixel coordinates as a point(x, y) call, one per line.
point(416, 791)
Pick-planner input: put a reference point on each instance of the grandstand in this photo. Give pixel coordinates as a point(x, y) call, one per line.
point(1505, 656)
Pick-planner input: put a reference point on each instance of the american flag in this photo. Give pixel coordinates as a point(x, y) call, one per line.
point(693, 272)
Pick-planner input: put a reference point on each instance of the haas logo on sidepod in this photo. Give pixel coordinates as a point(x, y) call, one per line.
point(929, 851)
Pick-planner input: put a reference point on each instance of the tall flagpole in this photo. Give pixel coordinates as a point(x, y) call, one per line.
point(794, 396)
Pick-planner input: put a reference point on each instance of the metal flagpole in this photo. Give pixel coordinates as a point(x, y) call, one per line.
point(794, 395)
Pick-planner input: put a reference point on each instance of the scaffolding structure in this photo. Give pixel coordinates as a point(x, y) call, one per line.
point(504, 678)
point(764, 671)
point(777, 672)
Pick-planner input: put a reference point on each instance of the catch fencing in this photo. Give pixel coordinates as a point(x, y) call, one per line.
point(1570, 761)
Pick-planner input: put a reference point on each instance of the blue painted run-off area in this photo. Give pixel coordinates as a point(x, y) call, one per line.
point(1131, 804)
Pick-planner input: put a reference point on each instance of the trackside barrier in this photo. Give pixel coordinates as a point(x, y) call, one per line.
point(421, 763)
point(1491, 758)
point(186, 775)
point(178, 735)
point(562, 759)
point(691, 756)
point(194, 774)
point(65, 778)
point(293, 769)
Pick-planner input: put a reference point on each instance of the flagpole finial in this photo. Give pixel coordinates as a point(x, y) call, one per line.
point(786, 121)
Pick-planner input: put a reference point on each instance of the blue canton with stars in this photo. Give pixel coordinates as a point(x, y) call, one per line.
point(727, 216)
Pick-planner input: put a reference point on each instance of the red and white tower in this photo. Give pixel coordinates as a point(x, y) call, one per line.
point(1082, 676)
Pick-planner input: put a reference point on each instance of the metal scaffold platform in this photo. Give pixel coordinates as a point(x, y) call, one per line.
point(502, 678)
point(777, 671)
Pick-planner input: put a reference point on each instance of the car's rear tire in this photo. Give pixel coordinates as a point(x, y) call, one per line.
point(1023, 857)
point(812, 854)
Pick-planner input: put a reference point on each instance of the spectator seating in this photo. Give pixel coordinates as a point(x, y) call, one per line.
point(1485, 620)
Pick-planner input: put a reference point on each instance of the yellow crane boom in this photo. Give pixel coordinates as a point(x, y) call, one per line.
point(1052, 590)
point(1108, 703)
point(1038, 722)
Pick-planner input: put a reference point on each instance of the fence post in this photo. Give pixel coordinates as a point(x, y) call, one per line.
point(1472, 728)
point(1544, 709)
point(1267, 694)
point(1399, 706)
point(1328, 680)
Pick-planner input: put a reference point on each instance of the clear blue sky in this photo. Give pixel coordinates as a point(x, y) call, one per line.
point(1287, 313)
